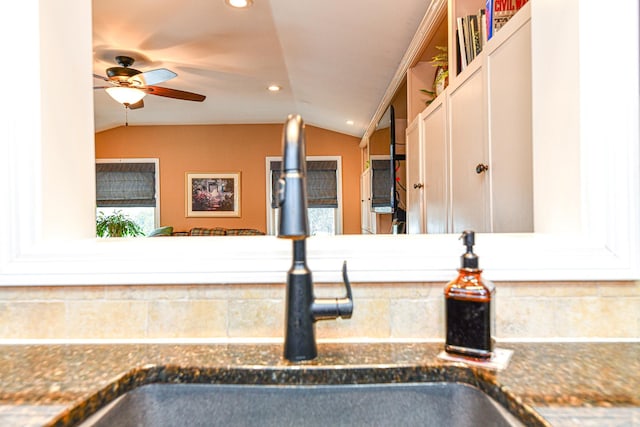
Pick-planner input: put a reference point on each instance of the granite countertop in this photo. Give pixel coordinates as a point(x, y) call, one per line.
point(85, 377)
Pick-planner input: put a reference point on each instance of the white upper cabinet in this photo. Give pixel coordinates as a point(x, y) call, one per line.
point(475, 139)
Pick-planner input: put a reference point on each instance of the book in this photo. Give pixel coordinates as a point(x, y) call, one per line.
point(470, 37)
point(482, 22)
point(474, 30)
point(467, 39)
point(502, 11)
point(489, 18)
point(461, 44)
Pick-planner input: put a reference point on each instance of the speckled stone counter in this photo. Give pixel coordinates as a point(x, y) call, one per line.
point(85, 377)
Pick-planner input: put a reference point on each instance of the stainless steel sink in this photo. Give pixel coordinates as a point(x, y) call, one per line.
point(407, 404)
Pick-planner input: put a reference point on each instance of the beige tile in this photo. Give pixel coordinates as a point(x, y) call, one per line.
point(417, 318)
point(524, 317)
point(371, 319)
point(126, 292)
point(396, 290)
point(209, 291)
point(398, 310)
point(147, 292)
point(50, 293)
point(256, 318)
point(620, 317)
point(32, 320)
point(598, 318)
point(548, 289)
point(623, 289)
point(106, 319)
point(577, 317)
point(257, 291)
point(67, 293)
point(188, 319)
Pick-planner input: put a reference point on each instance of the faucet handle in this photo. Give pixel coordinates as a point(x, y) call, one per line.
point(345, 306)
point(332, 308)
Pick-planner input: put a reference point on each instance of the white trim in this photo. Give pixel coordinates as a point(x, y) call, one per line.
point(339, 211)
point(156, 162)
point(437, 11)
point(271, 218)
point(47, 235)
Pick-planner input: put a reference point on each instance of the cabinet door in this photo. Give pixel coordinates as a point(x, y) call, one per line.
point(367, 218)
point(509, 71)
point(434, 127)
point(415, 184)
point(469, 189)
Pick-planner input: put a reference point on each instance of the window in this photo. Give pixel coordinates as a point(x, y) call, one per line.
point(381, 184)
point(129, 186)
point(324, 195)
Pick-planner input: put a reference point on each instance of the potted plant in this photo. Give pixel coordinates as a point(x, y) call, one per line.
point(116, 225)
point(441, 61)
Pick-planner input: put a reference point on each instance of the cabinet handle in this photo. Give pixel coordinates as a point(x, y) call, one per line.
point(481, 168)
point(418, 185)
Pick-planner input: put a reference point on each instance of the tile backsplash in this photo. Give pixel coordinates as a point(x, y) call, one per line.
point(391, 311)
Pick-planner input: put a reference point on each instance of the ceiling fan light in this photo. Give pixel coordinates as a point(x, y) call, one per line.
point(126, 95)
point(239, 4)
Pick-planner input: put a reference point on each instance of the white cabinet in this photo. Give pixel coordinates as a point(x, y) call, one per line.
point(367, 217)
point(415, 179)
point(436, 170)
point(509, 106)
point(428, 170)
point(469, 154)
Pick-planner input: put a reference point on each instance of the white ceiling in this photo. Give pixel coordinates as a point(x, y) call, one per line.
point(333, 58)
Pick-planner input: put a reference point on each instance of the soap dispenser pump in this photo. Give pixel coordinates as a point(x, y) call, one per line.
point(469, 307)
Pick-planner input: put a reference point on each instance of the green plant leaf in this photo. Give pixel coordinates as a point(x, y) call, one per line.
point(116, 225)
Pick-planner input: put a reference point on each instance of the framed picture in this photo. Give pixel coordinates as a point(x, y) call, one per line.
point(212, 194)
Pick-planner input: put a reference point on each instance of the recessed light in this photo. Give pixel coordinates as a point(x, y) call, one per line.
point(239, 4)
point(350, 122)
point(274, 88)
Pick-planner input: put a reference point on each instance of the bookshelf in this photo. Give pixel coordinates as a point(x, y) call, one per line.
point(421, 72)
point(443, 32)
point(459, 9)
point(482, 118)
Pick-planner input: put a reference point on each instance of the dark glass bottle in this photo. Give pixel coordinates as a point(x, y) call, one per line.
point(469, 308)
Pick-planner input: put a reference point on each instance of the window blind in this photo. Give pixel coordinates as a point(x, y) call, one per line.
point(380, 183)
point(322, 184)
point(125, 184)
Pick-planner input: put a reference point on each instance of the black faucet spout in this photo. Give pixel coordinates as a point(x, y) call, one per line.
point(302, 308)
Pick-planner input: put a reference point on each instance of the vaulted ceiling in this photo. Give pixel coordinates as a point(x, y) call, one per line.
point(334, 59)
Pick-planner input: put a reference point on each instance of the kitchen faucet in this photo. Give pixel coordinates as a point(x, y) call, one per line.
point(302, 308)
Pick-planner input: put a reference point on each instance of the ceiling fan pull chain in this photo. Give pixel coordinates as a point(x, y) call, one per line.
point(126, 115)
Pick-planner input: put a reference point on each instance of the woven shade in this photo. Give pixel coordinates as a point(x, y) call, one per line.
point(322, 184)
point(380, 183)
point(126, 184)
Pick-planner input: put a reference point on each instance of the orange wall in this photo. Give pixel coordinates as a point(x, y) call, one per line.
point(379, 142)
point(228, 148)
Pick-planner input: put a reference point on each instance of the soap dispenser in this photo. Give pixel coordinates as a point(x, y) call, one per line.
point(469, 308)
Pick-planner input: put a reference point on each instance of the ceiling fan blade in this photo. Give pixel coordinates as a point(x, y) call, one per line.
point(174, 93)
point(97, 76)
point(102, 87)
point(152, 77)
point(139, 104)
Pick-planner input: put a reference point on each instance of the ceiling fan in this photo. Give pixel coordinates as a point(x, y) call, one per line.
point(128, 85)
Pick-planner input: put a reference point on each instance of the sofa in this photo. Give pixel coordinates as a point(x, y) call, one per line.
point(201, 231)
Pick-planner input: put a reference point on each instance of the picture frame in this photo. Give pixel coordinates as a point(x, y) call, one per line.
point(212, 194)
